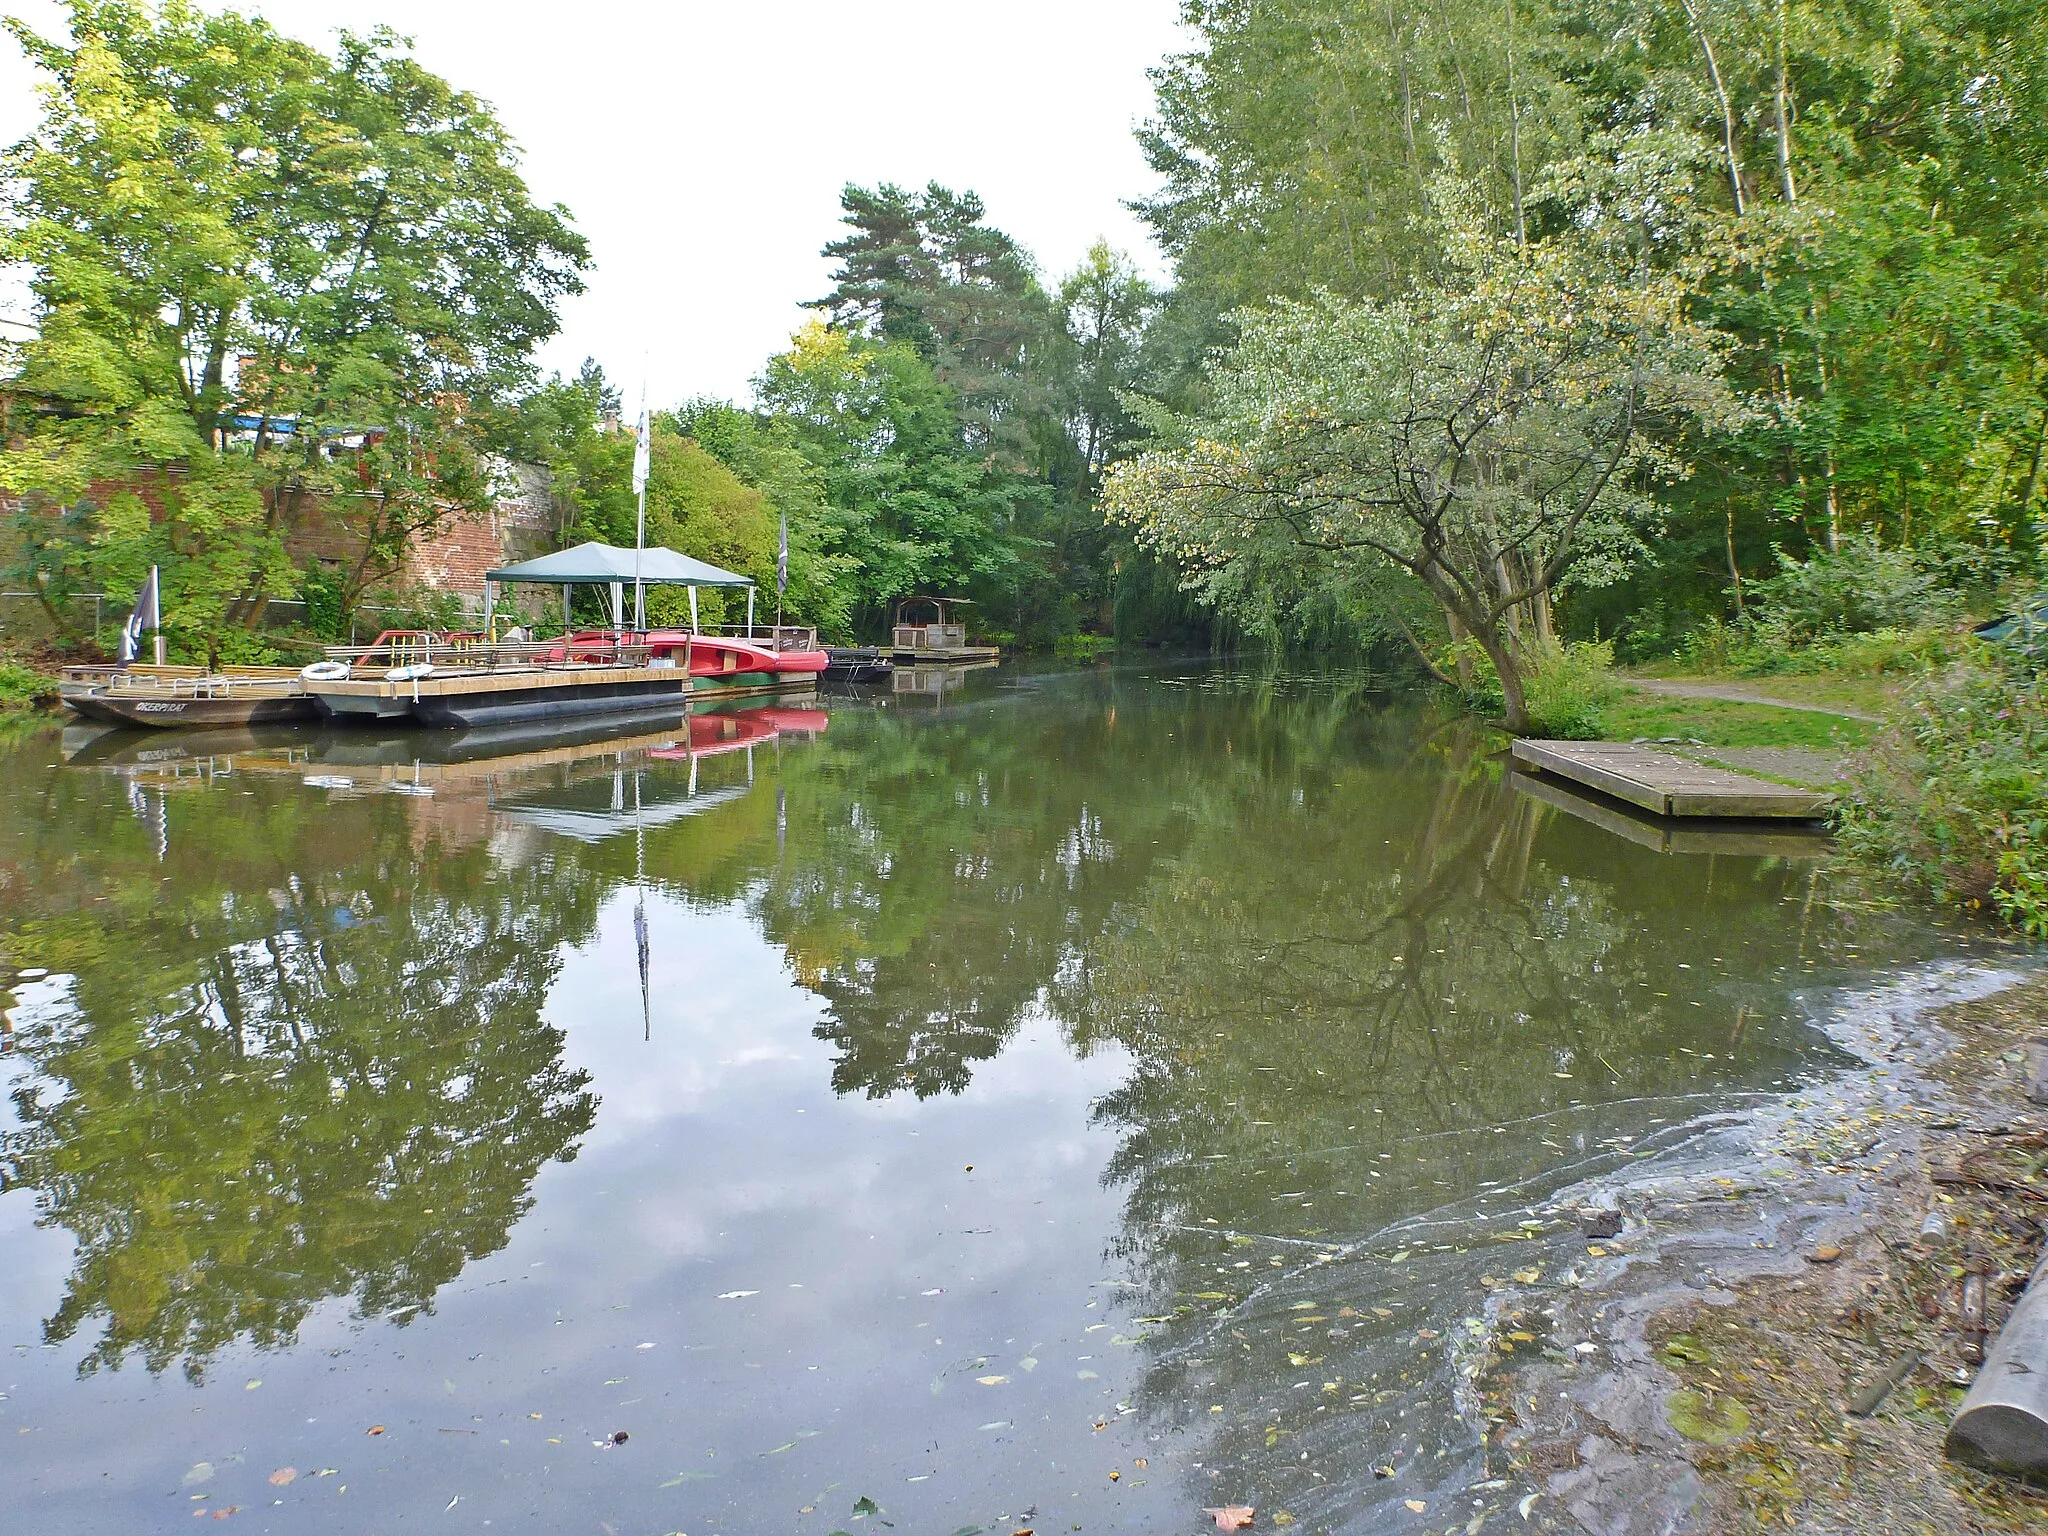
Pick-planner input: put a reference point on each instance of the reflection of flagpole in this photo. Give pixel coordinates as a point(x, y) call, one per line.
point(640, 909)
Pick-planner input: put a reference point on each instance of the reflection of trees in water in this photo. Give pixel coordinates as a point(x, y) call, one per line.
point(1410, 988)
point(250, 1103)
point(1348, 963)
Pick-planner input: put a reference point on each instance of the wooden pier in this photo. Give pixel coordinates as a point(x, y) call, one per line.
point(1668, 785)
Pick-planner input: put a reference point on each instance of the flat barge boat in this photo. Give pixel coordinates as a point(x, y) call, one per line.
point(466, 682)
point(190, 697)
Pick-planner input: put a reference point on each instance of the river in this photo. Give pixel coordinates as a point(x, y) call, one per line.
point(1074, 1101)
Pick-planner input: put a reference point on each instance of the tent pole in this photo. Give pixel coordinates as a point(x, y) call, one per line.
point(565, 610)
point(750, 613)
point(619, 612)
point(693, 610)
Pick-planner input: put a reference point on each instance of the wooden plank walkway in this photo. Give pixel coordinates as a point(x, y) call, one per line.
point(1668, 785)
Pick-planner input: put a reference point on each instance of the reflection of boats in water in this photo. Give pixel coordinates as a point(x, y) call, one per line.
point(414, 757)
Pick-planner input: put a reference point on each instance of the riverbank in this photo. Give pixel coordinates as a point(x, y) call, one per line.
point(1698, 1375)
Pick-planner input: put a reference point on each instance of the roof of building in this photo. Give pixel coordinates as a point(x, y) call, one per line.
point(606, 563)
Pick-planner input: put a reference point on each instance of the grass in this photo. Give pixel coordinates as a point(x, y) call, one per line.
point(1865, 695)
point(1723, 723)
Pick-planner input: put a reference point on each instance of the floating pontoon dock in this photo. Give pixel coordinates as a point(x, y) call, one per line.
point(1668, 785)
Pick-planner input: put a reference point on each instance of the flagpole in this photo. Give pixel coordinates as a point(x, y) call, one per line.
point(641, 455)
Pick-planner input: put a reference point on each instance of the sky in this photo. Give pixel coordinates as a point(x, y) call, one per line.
point(701, 147)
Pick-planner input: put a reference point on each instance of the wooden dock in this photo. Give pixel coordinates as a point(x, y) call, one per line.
point(1668, 785)
point(1775, 839)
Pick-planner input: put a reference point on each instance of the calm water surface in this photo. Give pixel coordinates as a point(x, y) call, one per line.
point(1072, 1103)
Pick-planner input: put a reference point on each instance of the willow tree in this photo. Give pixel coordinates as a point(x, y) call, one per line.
point(1493, 437)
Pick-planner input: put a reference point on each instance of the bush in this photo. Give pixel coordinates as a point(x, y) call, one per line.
point(1567, 686)
point(1860, 587)
point(23, 687)
point(1953, 796)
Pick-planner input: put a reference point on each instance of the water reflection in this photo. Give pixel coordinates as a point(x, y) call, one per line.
point(1356, 1000)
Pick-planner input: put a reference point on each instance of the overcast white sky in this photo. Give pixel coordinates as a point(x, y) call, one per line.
point(701, 147)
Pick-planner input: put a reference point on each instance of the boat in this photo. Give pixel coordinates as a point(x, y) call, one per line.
point(469, 681)
point(191, 697)
point(857, 664)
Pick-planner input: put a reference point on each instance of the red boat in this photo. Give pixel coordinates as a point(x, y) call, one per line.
point(779, 656)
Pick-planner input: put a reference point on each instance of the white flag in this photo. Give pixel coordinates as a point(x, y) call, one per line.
point(640, 450)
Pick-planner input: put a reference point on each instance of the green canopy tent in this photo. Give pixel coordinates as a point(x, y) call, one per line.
point(606, 565)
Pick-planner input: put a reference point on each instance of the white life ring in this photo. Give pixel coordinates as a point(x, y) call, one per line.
point(325, 672)
point(411, 674)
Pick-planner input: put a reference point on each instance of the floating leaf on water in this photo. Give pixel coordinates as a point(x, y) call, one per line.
point(991, 1381)
point(1028, 1363)
point(996, 1424)
point(201, 1472)
point(1415, 1504)
point(1399, 1257)
point(283, 1475)
point(374, 1429)
point(790, 1446)
point(736, 1295)
point(865, 1506)
point(1711, 1421)
point(253, 1384)
point(1086, 1376)
point(1527, 1276)
point(1527, 1504)
point(1232, 1517)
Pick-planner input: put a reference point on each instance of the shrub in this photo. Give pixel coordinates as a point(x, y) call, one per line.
point(23, 687)
point(1565, 684)
point(1859, 587)
point(1953, 796)
point(1568, 685)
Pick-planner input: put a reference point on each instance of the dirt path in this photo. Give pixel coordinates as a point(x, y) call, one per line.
point(1734, 693)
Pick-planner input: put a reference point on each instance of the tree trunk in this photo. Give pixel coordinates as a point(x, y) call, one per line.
point(1699, 31)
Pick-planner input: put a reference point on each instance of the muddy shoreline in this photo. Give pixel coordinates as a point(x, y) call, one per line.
point(1693, 1373)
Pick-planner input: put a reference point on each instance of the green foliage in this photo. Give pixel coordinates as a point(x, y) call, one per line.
point(1484, 441)
point(269, 280)
point(1953, 798)
point(1571, 684)
point(1858, 588)
point(23, 687)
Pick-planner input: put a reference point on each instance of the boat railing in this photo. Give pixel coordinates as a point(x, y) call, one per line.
point(478, 653)
point(776, 637)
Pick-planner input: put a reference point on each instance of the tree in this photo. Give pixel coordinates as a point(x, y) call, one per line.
point(1491, 438)
point(916, 508)
point(254, 264)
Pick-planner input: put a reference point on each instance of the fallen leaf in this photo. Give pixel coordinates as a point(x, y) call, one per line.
point(1115, 1476)
point(865, 1506)
point(991, 1381)
point(1283, 1518)
point(1826, 1253)
point(1231, 1517)
point(1142, 1463)
point(251, 1386)
point(283, 1475)
point(374, 1429)
point(1415, 1504)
